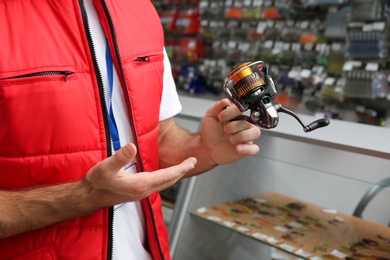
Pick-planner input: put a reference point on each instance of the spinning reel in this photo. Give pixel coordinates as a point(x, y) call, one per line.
point(249, 86)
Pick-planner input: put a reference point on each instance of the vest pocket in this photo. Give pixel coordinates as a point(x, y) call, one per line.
point(143, 73)
point(37, 75)
point(49, 110)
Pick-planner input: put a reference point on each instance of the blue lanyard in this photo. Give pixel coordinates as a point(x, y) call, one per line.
point(111, 118)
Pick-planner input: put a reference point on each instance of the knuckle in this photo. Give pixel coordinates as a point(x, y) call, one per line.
point(141, 189)
point(227, 128)
point(255, 133)
point(233, 139)
point(169, 179)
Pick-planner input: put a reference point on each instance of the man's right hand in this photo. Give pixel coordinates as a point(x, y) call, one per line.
point(112, 185)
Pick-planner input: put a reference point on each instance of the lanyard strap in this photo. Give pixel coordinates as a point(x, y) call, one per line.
point(111, 117)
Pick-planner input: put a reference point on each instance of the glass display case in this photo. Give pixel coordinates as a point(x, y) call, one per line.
point(318, 195)
point(170, 195)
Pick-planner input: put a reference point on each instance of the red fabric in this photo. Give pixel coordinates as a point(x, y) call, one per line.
point(53, 129)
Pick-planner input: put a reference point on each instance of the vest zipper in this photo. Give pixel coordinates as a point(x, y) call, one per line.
point(99, 77)
point(121, 72)
point(103, 104)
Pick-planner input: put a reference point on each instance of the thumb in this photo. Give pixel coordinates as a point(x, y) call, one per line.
point(218, 107)
point(121, 157)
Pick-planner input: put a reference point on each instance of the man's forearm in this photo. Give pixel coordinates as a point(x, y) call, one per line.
point(33, 208)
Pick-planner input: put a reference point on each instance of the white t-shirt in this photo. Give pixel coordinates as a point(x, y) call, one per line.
point(129, 232)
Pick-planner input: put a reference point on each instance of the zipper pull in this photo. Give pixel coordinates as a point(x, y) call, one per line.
point(66, 74)
point(143, 59)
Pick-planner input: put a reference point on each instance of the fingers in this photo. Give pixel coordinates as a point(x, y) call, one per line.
point(226, 114)
point(150, 182)
point(168, 176)
point(215, 110)
point(120, 158)
point(247, 149)
point(245, 136)
point(112, 185)
point(237, 126)
point(241, 133)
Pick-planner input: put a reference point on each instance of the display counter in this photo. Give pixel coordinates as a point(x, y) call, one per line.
point(329, 168)
point(300, 228)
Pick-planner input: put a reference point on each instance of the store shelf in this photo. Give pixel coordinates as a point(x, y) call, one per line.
point(168, 204)
point(301, 228)
point(312, 49)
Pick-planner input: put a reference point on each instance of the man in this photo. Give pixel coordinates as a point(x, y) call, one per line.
point(87, 137)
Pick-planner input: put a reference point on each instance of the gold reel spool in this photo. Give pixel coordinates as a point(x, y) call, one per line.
point(245, 79)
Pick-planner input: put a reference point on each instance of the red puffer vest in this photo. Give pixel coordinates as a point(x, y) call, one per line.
point(53, 117)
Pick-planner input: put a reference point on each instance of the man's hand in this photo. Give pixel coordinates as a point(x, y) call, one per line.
point(220, 140)
point(224, 140)
point(112, 185)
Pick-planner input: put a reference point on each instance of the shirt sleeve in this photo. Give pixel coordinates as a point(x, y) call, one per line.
point(170, 104)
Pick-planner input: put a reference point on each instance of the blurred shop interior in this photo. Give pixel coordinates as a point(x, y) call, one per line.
point(321, 195)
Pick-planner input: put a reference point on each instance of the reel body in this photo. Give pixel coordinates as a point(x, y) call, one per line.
point(250, 87)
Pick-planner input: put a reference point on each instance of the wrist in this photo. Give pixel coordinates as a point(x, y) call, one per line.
point(203, 153)
point(92, 196)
